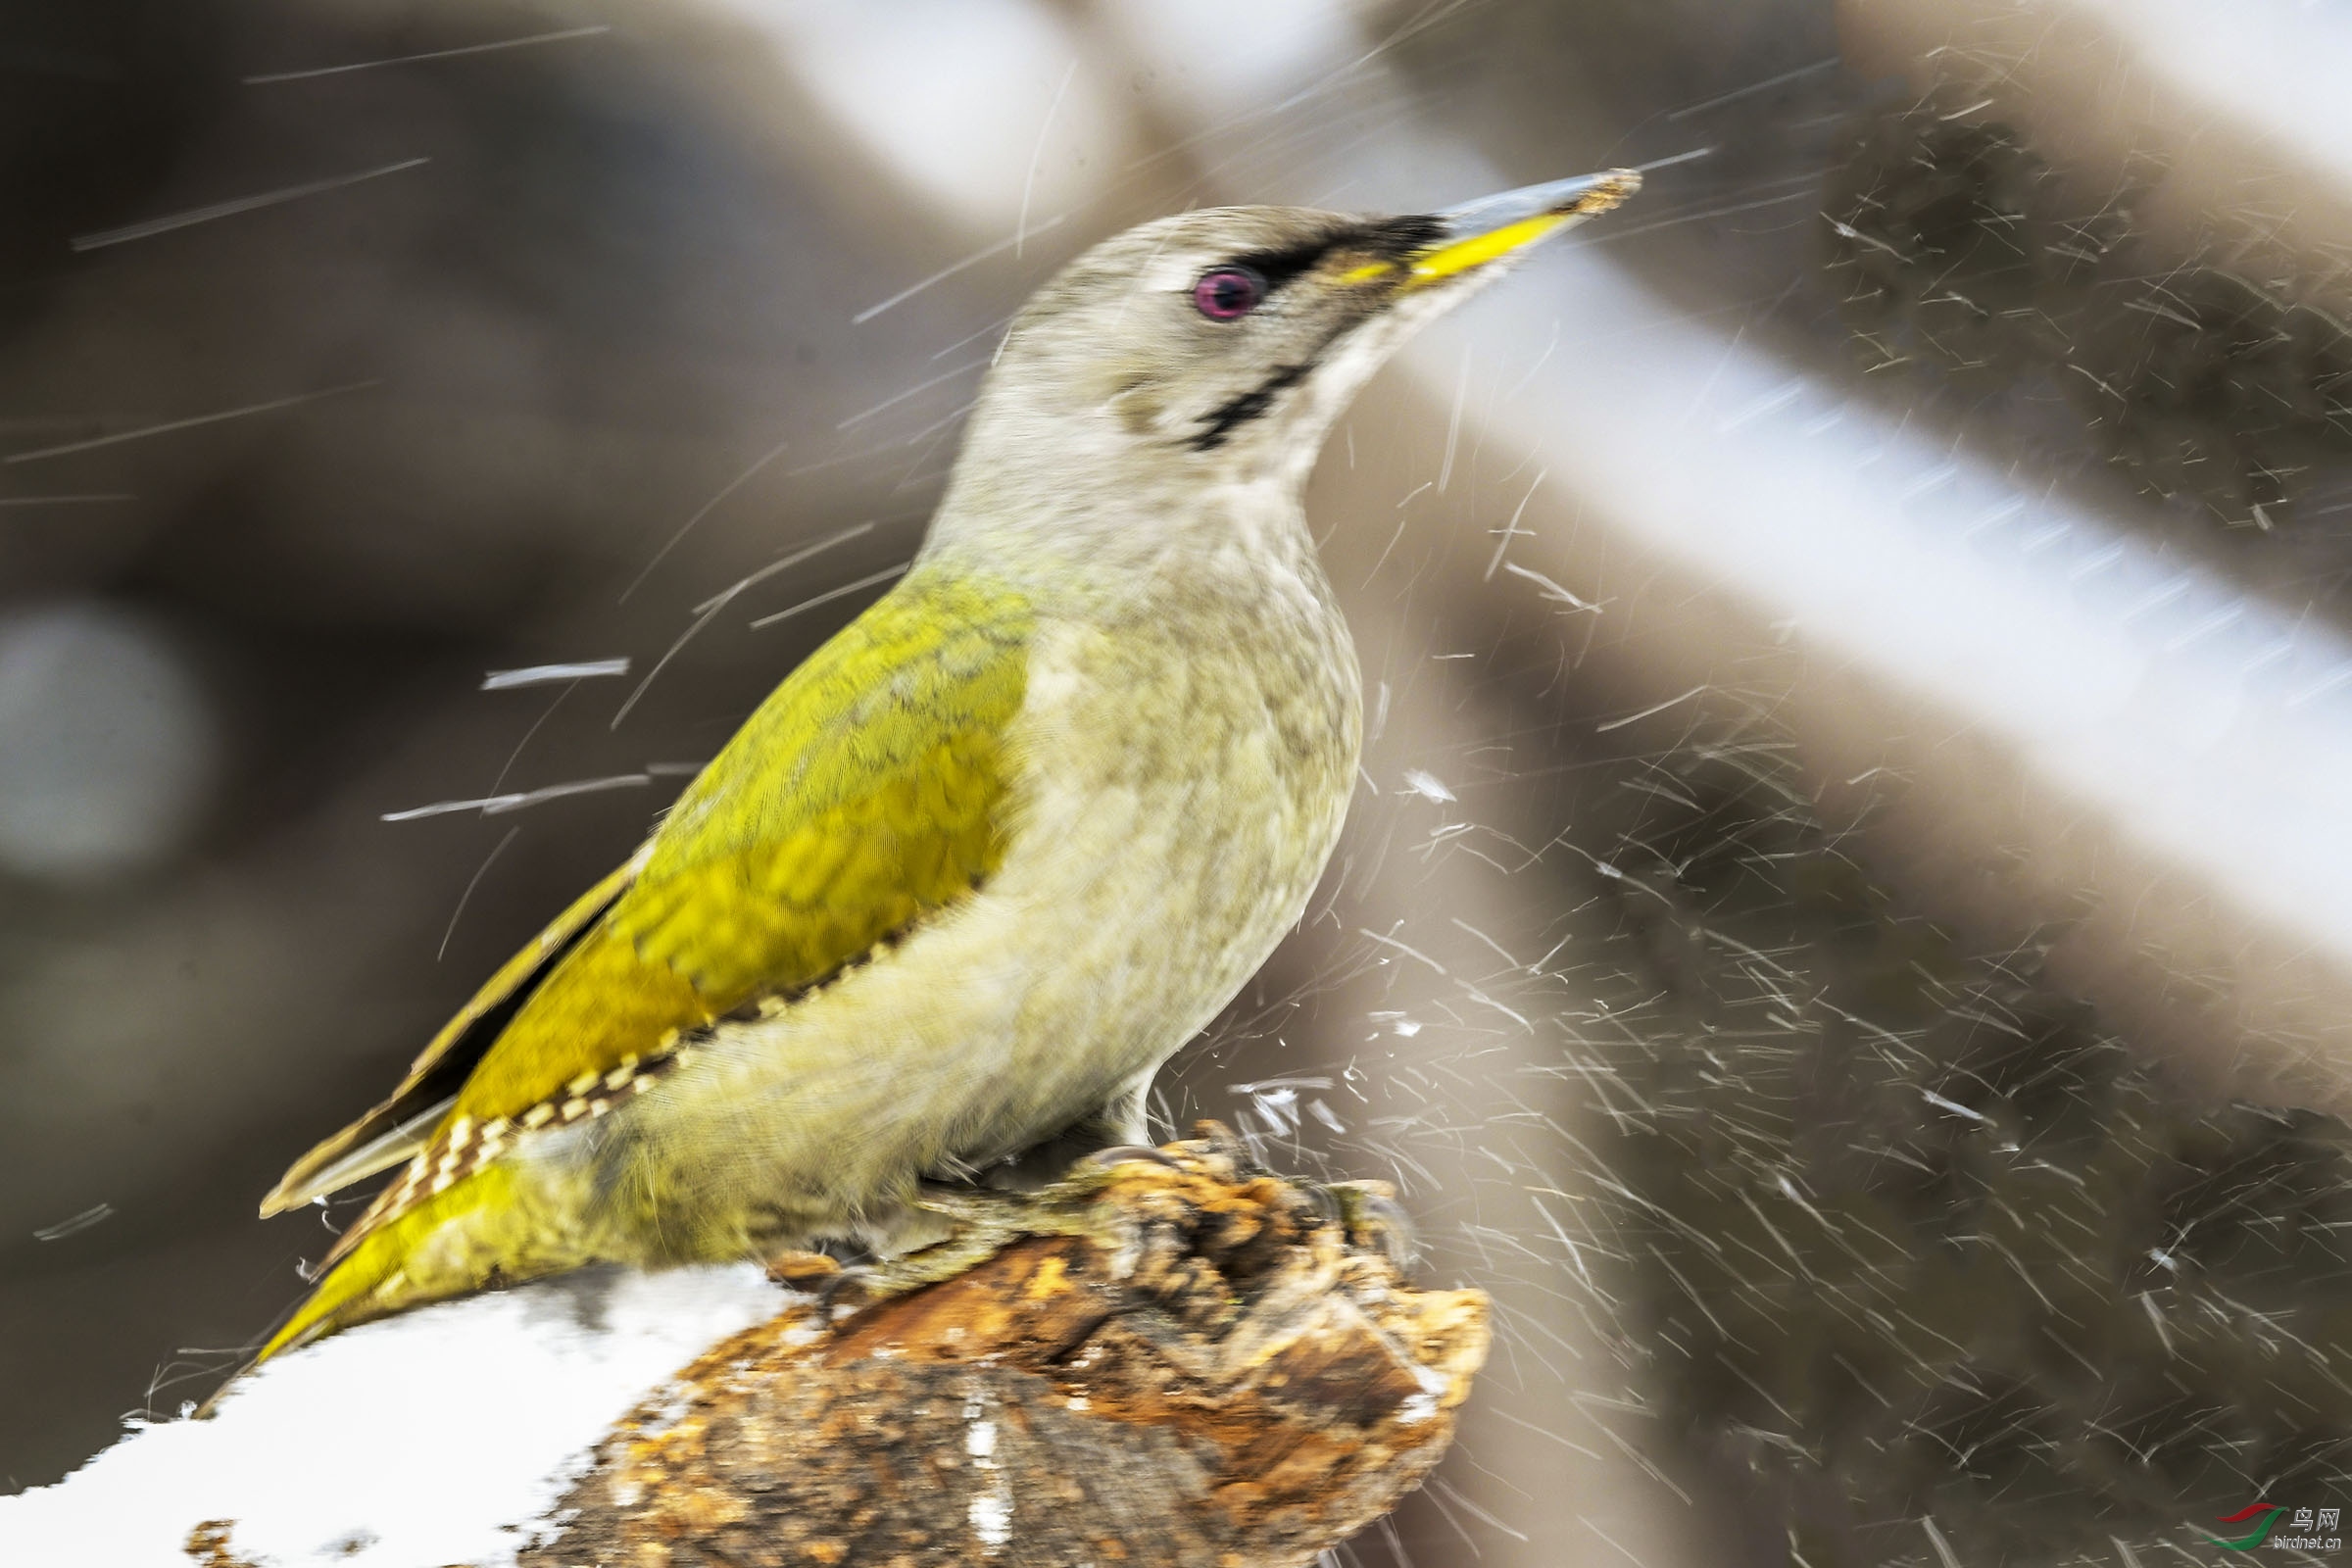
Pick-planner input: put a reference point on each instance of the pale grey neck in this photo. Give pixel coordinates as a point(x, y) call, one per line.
point(1062, 510)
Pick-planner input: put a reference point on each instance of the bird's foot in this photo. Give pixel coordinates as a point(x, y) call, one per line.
point(956, 1226)
point(977, 1224)
point(1123, 1154)
point(980, 1221)
point(1369, 1217)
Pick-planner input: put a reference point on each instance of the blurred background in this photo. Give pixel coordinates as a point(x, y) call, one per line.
point(1845, 929)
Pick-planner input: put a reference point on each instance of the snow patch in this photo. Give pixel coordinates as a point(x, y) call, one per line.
point(442, 1435)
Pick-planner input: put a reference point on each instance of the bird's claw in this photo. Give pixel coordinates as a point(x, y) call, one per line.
point(1123, 1154)
point(1369, 1216)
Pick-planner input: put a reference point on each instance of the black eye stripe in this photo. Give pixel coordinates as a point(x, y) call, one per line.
point(1278, 268)
point(1388, 236)
point(1398, 235)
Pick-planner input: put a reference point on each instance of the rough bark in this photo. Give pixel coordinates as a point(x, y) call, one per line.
point(1199, 1365)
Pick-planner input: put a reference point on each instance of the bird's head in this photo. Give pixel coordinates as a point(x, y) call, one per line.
point(1218, 346)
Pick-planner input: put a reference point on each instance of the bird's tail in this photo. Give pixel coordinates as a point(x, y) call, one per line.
point(455, 1242)
point(368, 1283)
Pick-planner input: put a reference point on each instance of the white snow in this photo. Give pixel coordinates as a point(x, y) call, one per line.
point(444, 1436)
point(1426, 785)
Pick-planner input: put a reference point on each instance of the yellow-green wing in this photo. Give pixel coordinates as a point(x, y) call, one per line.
point(867, 791)
point(405, 1120)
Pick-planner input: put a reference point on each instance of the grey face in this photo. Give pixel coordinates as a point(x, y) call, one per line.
point(1225, 339)
point(1218, 347)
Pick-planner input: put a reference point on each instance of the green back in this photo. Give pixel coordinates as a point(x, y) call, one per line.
point(867, 790)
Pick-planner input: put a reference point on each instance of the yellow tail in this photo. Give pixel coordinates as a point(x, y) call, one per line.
point(452, 1244)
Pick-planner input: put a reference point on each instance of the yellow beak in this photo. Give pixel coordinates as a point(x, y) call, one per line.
point(1495, 226)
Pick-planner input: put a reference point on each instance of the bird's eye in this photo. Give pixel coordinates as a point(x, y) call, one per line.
point(1228, 293)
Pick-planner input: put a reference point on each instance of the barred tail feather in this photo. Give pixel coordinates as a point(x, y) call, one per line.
point(343, 1298)
point(453, 1244)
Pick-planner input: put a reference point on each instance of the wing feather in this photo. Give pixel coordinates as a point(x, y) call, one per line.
point(405, 1120)
point(866, 792)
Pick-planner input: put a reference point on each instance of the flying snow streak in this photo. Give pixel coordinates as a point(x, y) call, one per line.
point(701, 512)
point(950, 271)
point(1737, 93)
point(507, 680)
point(501, 804)
point(95, 1214)
point(1427, 785)
point(467, 896)
point(707, 610)
point(1553, 591)
point(167, 427)
point(920, 387)
point(165, 224)
point(866, 582)
point(1020, 226)
point(429, 54)
point(1629, 718)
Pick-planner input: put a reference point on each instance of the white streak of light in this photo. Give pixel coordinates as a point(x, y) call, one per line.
point(897, 398)
point(866, 582)
point(1720, 99)
point(952, 267)
point(699, 513)
point(1693, 156)
point(149, 228)
point(1510, 529)
point(75, 1225)
point(505, 680)
point(1654, 707)
point(432, 54)
point(1020, 226)
point(1426, 785)
point(189, 423)
point(475, 881)
point(501, 804)
point(707, 610)
point(557, 792)
point(1553, 591)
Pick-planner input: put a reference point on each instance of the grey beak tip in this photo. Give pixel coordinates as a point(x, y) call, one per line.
point(1509, 207)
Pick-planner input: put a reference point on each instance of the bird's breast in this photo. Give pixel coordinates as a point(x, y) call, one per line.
point(1236, 713)
point(1185, 769)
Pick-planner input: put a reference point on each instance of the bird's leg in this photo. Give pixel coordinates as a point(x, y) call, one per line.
point(975, 1222)
point(978, 1222)
point(1117, 1124)
point(1046, 1190)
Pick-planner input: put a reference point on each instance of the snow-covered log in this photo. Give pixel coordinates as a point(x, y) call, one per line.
point(1188, 1363)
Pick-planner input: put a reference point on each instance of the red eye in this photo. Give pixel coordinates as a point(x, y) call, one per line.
point(1228, 293)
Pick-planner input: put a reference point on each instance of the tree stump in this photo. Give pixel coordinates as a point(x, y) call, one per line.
point(1185, 1363)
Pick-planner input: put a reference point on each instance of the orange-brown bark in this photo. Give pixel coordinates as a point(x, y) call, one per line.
point(1220, 1372)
